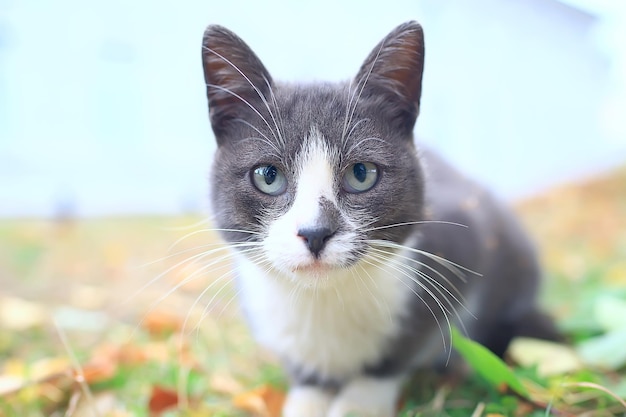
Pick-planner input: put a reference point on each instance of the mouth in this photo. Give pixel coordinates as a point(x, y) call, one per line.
point(315, 268)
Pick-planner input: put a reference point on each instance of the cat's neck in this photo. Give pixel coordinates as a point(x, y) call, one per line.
point(350, 320)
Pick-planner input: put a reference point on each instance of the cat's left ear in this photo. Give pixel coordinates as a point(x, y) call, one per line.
point(392, 75)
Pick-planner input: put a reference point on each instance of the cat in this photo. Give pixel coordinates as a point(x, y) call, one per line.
point(356, 250)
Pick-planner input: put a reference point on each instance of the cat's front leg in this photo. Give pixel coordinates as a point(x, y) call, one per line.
point(367, 397)
point(307, 401)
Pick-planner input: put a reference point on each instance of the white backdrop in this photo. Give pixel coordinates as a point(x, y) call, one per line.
point(102, 105)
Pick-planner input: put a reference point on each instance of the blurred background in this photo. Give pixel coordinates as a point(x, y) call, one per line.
point(105, 150)
point(103, 110)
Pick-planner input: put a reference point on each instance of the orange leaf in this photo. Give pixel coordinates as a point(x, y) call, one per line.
point(130, 354)
point(98, 370)
point(162, 399)
point(263, 401)
point(161, 321)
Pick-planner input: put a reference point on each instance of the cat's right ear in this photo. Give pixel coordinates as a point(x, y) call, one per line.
point(236, 80)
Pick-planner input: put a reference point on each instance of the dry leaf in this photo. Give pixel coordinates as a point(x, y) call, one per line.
point(10, 384)
point(19, 314)
point(264, 401)
point(49, 367)
point(161, 321)
point(99, 404)
point(97, 370)
point(225, 384)
point(162, 399)
point(550, 358)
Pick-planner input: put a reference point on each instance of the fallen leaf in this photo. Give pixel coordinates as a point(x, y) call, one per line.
point(48, 367)
point(162, 399)
point(88, 297)
point(78, 319)
point(161, 321)
point(610, 312)
point(550, 358)
point(19, 314)
point(10, 384)
point(131, 354)
point(224, 383)
point(99, 404)
point(263, 401)
point(97, 370)
point(606, 351)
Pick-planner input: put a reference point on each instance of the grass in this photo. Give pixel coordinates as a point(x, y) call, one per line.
point(82, 334)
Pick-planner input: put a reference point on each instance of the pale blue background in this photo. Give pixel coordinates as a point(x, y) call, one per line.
point(102, 105)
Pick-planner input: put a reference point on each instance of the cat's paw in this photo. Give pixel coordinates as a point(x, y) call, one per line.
point(307, 402)
point(367, 397)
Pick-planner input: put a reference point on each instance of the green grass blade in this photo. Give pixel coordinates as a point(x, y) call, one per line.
point(486, 364)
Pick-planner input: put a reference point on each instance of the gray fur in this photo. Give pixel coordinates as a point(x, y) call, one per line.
point(414, 186)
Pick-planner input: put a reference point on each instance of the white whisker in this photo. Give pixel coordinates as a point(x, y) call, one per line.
point(442, 261)
point(371, 260)
point(195, 232)
point(277, 134)
point(247, 103)
point(389, 226)
point(462, 300)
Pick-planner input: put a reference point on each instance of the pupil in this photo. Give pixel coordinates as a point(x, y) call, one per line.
point(360, 172)
point(269, 173)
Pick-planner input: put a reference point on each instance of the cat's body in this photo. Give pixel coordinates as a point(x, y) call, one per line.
point(355, 251)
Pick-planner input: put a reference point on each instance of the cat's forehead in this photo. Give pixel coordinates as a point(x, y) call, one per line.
point(321, 103)
point(332, 111)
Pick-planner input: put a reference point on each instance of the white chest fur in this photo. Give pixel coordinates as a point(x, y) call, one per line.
point(332, 331)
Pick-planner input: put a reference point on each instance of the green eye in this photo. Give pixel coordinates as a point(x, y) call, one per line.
point(269, 179)
point(360, 177)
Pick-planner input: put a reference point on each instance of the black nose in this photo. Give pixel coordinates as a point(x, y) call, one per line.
point(316, 238)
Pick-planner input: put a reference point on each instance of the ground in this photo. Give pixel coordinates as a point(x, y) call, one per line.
point(89, 320)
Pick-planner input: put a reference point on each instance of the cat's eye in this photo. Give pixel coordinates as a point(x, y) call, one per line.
point(360, 177)
point(269, 179)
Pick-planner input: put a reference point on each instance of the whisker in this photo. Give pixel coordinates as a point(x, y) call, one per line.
point(463, 301)
point(256, 89)
point(347, 119)
point(195, 232)
point(188, 279)
point(358, 96)
point(358, 144)
point(389, 226)
point(442, 261)
point(205, 310)
point(263, 139)
point(354, 126)
point(191, 226)
point(187, 260)
point(376, 300)
point(437, 286)
point(409, 272)
point(404, 273)
point(246, 102)
point(278, 113)
point(180, 252)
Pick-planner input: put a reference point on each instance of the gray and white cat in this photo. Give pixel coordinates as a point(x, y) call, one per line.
point(354, 250)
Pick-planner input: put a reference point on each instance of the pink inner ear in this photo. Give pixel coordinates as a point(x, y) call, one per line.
point(402, 61)
point(406, 67)
point(236, 79)
point(396, 64)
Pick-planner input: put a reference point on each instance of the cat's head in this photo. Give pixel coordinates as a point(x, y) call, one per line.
point(310, 178)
